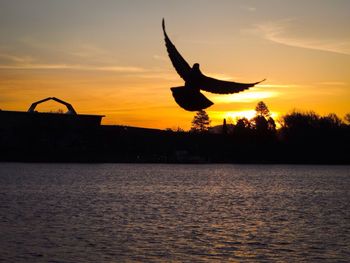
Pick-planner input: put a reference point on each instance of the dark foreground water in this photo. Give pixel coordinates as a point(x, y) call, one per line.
point(184, 213)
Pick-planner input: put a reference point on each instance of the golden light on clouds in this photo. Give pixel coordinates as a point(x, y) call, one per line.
point(247, 96)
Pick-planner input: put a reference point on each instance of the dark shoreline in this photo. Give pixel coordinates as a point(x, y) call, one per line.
point(121, 144)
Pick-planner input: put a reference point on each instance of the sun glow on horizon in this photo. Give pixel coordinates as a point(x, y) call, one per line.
point(232, 116)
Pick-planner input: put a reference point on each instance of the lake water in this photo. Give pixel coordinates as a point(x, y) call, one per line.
point(166, 213)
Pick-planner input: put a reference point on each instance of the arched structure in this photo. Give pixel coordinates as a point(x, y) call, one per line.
point(69, 106)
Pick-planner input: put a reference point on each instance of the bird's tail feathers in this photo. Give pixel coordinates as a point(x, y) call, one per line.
point(190, 99)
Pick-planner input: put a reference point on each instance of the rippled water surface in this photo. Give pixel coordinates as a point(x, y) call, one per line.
point(184, 213)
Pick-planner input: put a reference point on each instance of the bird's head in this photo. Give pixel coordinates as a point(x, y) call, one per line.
point(195, 66)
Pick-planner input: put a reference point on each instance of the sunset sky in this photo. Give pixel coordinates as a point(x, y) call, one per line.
point(108, 57)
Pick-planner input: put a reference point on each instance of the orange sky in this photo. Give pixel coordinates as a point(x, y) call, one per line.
point(108, 57)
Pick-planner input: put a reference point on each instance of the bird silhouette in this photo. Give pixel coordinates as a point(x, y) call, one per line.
point(189, 96)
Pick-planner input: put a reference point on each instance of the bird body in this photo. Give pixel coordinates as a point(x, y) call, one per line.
point(189, 96)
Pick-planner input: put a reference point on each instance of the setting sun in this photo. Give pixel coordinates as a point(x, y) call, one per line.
point(232, 116)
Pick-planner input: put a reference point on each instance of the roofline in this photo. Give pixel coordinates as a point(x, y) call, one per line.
point(55, 113)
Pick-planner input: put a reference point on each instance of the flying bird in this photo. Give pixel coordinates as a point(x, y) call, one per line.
point(189, 96)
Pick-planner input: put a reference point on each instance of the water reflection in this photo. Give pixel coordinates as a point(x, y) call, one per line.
point(119, 212)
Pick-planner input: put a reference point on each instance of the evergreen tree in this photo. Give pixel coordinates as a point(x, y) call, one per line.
point(224, 127)
point(200, 122)
point(263, 122)
point(262, 110)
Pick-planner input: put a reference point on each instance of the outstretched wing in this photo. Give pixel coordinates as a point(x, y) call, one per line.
point(179, 63)
point(223, 87)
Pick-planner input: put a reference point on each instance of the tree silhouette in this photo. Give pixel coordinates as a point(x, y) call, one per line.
point(242, 128)
point(330, 121)
point(300, 120)
point(224, 127)
point(243, 123)
point(200, 122)
point(263, 123)
point(60, 111)
point(262, 110)
point(347, 118)
point(260, 123)
point(271, 125)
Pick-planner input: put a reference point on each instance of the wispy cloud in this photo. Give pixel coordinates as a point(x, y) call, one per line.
point(249, 8)
point(279, 32)
point(153, 74)
point(88, 51)
point(15, 59)
point(332, 83)
point(17, 62)
point(73, 51)
point(158, 75)
point(32, 66)
point(160, 58)
point(48, 56)
point(279, 86)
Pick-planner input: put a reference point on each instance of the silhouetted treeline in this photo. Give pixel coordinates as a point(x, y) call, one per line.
point(301, 138)
point(313, 137)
